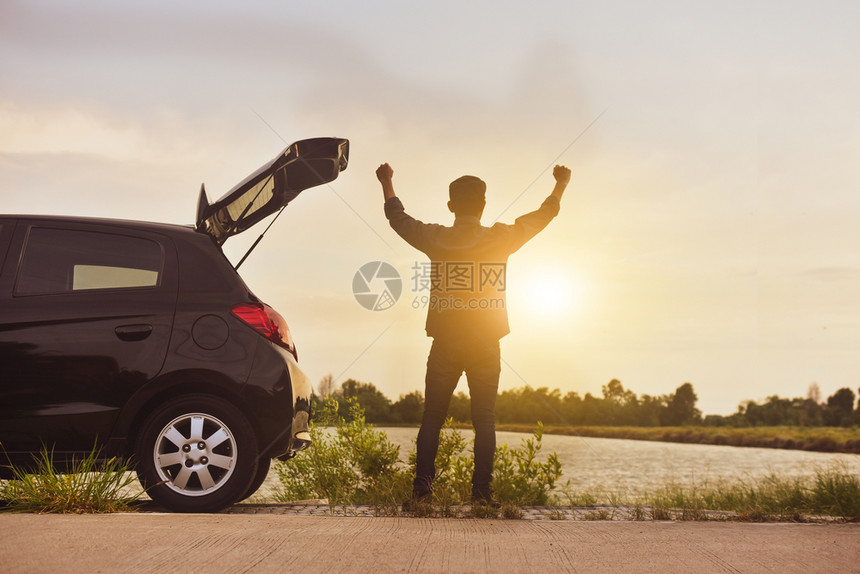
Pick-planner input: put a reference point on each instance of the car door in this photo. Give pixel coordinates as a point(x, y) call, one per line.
point(86, 312)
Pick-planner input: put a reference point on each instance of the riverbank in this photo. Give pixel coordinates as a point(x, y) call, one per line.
point(815, 439)
point(309, 544)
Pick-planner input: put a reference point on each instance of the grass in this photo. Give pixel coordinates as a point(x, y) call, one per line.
point(820, 439)
point(832, 493)
point(92, 486)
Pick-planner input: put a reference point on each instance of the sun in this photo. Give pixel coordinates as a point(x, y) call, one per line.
point(548, 292)
point(549, 295)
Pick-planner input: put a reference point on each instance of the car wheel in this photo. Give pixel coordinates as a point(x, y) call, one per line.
point(196, 454)
point(263, 466)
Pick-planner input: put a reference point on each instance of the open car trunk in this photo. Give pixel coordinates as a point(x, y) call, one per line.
point(303, 164)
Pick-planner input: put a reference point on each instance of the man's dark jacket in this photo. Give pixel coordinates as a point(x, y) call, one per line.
point(467, 265)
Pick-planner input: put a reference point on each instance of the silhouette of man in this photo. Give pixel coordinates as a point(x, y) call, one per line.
point(467, 313)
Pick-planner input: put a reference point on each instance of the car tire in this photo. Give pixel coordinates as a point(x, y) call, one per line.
point(197, 453)
point(263, 466)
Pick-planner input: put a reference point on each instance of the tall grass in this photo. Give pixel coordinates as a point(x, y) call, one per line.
point(91, 486)
point(831, 492)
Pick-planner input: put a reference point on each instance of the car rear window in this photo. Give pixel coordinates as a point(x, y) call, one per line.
point(64, 261)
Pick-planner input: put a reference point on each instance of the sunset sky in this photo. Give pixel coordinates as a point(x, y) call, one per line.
point(709, 235)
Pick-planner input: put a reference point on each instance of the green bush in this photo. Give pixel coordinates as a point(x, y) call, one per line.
point(352, 463)
point(519, 478)
point(91, 486)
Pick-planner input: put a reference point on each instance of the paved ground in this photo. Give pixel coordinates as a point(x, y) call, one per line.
point(298, 542)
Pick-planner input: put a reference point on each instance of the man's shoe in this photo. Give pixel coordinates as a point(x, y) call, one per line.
point(421, 501)
point(484, 498)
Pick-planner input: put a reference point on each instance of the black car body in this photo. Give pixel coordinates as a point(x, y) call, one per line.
point(143, 339)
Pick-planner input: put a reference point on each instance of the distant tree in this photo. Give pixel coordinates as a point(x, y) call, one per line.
point(619, 404)
point(460, 408)
point(681, 408)
point(528, 405)
point(809, 412)
point(840, 408)
point(572, 409)
point(813, 393)
point(408, 408)
point(751, 413)
point(614, 392)
point(777, 411)
point(857, 412)
point(377, 407)
point(593, 410)
point(716, 421)
point(647, 411)
point(326, 386)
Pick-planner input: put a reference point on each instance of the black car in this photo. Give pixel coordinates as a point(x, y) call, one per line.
point(143, 339)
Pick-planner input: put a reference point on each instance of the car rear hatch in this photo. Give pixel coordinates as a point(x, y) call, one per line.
point(303, 164)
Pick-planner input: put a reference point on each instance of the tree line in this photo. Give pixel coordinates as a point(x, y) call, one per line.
point(616, 407)
point(837, 411)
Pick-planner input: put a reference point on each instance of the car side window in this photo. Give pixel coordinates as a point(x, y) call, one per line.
point(64, 261)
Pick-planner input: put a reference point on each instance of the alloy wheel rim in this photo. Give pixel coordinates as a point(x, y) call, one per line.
point(195, 454)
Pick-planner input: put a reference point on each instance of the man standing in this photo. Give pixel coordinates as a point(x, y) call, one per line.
point(467, 314)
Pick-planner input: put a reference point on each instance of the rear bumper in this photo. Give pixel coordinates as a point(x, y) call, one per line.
point(278, 395)
point(300, 437)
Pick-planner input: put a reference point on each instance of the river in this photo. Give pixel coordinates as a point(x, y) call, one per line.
point(633, 467)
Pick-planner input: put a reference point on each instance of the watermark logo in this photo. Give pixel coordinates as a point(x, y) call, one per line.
point(377, 286)
point(441, 286)
point(459, 285)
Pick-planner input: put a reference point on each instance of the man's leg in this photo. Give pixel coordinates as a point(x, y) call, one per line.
point(482, 372)
point(443, 373)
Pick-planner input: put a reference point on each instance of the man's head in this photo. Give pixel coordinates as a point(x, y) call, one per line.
point(467, 196)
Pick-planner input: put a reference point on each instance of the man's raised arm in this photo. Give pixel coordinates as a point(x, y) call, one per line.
point(384, 173)
point(562, 178)
point(416, 233)
point(528, 225)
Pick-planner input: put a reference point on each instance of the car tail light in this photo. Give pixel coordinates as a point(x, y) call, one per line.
point(267, 322)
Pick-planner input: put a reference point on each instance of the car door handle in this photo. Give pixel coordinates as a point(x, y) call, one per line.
point(137, 332)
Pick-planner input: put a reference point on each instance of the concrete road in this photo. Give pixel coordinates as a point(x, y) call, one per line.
point(309, 544)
